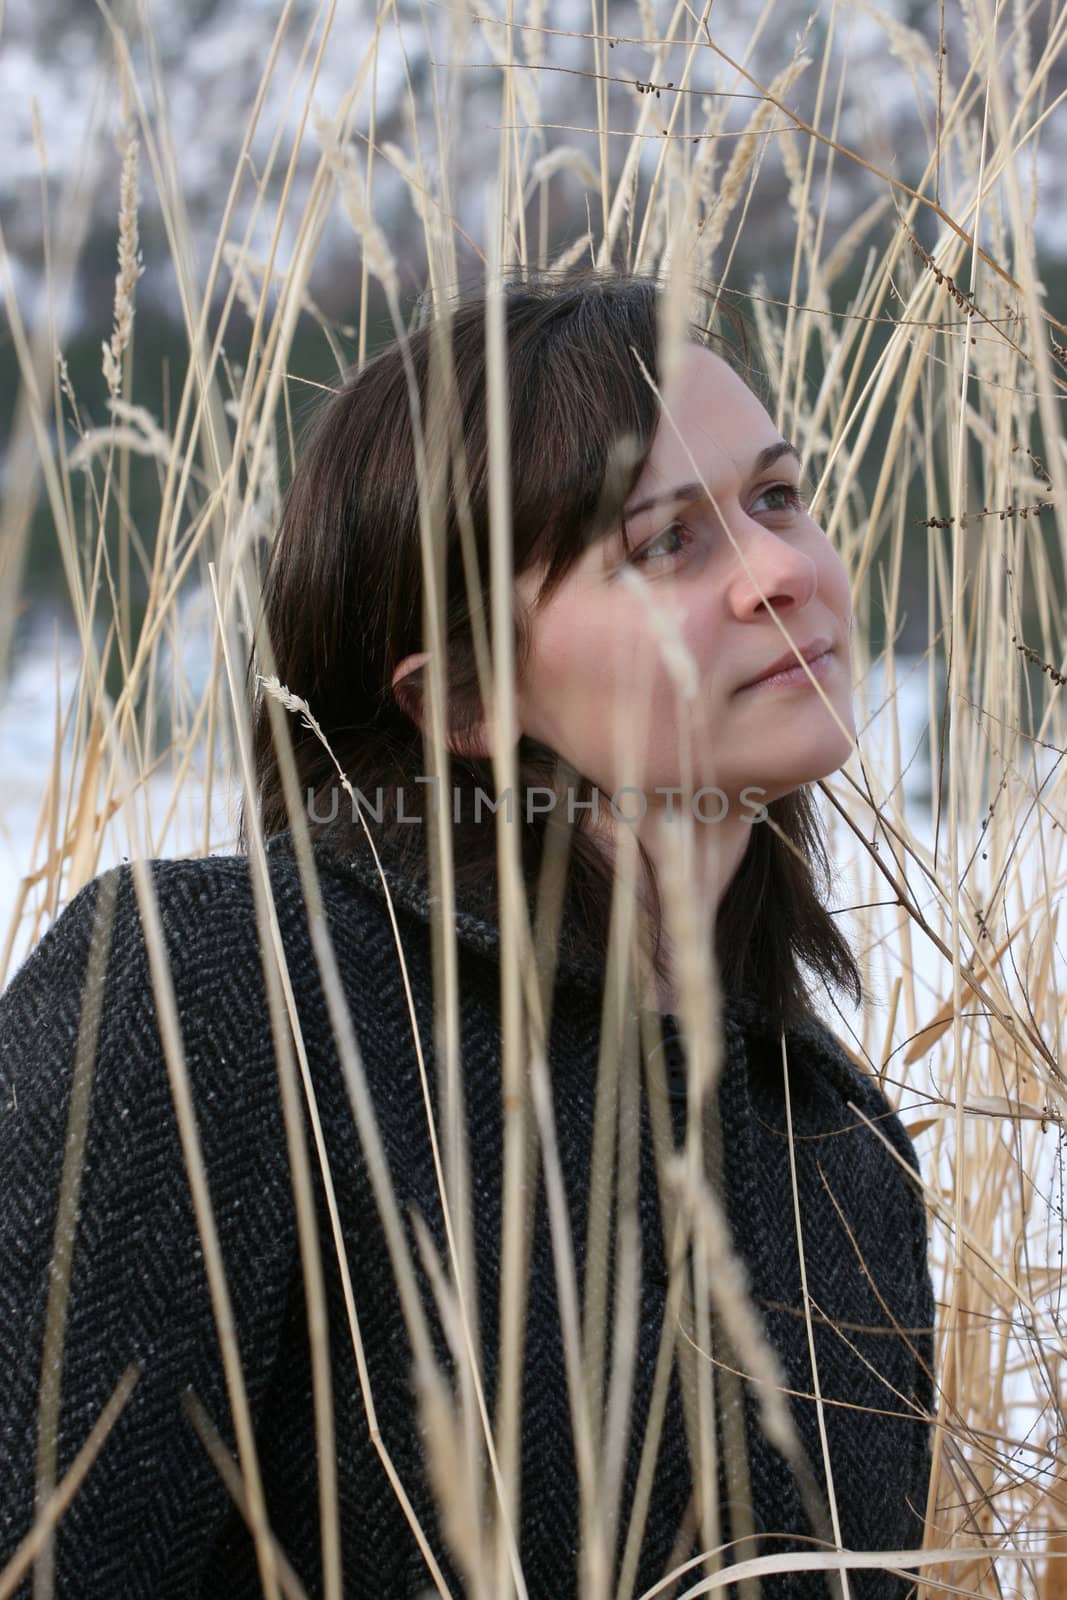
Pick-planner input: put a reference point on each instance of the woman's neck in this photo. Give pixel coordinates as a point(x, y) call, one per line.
point(692, 868)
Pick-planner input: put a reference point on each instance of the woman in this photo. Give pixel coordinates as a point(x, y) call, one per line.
point(696, 664)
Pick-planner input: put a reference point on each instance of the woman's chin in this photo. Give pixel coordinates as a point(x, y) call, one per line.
point(808, 766)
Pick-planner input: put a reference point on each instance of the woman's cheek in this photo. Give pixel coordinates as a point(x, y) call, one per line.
point(833, 580)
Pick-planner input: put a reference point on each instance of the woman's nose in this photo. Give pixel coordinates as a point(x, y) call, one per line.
point(786, 574)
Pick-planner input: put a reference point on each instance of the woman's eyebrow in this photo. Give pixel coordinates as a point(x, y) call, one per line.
point(691, 491)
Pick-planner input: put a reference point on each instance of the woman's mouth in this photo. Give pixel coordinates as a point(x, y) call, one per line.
point(819, 666)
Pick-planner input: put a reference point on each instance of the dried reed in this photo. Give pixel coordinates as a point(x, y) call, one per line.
point(953, 905)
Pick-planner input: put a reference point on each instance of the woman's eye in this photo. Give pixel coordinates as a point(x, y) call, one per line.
point(790, 498)
point(665, 544)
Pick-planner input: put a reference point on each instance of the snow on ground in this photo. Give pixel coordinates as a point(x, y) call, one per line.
point(48, 660)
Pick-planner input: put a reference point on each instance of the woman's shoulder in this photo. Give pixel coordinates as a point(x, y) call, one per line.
point(105, 911)
point(833, 1090)
point(184, 937)
point(859, 1141)
point(91, 985)
point(858, 1086)
point(207, 912)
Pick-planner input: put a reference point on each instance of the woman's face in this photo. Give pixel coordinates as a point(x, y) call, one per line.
point(596, 670)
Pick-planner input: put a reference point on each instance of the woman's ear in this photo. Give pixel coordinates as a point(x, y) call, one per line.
point(473, 743)
point(407, 693)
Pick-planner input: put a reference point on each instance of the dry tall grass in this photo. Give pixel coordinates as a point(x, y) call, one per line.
point(957, 915)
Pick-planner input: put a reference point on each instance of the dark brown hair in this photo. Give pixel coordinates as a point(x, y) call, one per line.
point(343, 595)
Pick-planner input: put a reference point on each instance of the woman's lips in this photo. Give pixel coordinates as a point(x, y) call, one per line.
point(820, 667)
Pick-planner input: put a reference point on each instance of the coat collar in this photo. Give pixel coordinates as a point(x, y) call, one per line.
point(343, 850)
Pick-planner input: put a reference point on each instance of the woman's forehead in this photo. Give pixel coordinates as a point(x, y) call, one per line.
point(708, 416)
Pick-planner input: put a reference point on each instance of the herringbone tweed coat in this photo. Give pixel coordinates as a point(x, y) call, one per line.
point(153, 1517)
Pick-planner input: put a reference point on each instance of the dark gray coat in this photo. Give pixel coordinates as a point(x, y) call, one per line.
point(153, 1517)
